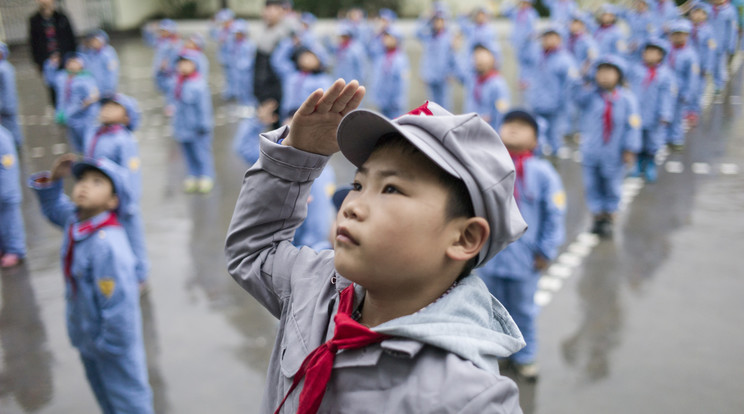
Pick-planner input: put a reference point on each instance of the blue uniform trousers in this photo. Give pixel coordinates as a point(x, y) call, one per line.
point(518, 297)
point(439, 92)
point(135, 229)
point(199, 158)
point(603, 187)
point(12, 233)
point(119, 383)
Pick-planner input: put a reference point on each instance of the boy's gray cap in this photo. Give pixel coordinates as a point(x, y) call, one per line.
point(465, 146)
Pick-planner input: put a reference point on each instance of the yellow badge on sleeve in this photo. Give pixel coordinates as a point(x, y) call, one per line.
point(134, 163)
point(106, 286)
point(712, 44)
point(7, 160)
point(330, 189)
point(634, 121)
point(559, 199)
point(502, 105)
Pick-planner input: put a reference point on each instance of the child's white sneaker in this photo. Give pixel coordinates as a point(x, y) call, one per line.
point(205, 185)
point(190, 185)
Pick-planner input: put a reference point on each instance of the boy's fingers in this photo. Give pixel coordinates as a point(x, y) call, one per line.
point(308, 107)
point(345, 97)
point(355, 101)
point(330, 96)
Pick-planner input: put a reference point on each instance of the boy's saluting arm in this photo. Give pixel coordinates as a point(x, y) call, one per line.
point(273, 200)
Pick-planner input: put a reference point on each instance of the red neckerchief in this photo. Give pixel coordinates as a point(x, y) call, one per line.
point(607, 116)
point(83, 229)
point(180, 80)
point(650, 75)
point(236, 45)
point(673, 53)
point(344, 44)
point(317, 367)
point(572, 38)
point(482, 79)
point(102, 130)
point(547, 53)
point(519, 158)
point(389, 56)
point(68, 86)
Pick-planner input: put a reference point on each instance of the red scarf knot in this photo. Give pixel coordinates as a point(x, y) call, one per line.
point(607, 116)
point(102, 130)
point(180, 81)
point(80, 230)
point(519, 158)
point(650, 75)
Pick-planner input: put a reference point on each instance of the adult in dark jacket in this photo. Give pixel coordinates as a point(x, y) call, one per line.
point(50, 31)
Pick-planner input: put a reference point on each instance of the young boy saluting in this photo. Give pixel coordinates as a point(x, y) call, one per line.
point(103, 313)
point(393, 319)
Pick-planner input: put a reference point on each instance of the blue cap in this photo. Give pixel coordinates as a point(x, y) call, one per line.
point(581, 16)
point(189, 54)
point(345, 29)
point(198, 40)
point(699, 5)
point(130, 105)
point(308, 18)
point(4, 50)
point(239, 26)
point(340, 195)
point(99, 33)
point(395, 32)
point(168, 25)
point(612, 60)
point(658, 43)
point(680, 26)
point(116, 173)
point(224, 15)
point(552, 28)
point(607, 9)
point(522, 115)
point(74, 55)
point(388, 15)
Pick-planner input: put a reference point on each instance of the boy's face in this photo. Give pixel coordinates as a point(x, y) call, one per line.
point(308, 62)
point(718, 2)
point(93, 193)
point(576, 27)
point(641, 6)
point(652, 56)
point(551, 41)
point(607, 18)
point(392, 231)
point(239, 36)
point(186, 67)
point(678, 38)
point(95, 43)
point(698, 16)
point(518, 136)
point(389, 41)
point(113, 113)
point(481, 18)
point(437, 24)
point(483, 60)
point(607, 77)
point(74, 65)
point(272, 14)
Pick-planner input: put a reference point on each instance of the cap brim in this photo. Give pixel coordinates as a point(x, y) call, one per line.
point(360, 130)
point(80, 167)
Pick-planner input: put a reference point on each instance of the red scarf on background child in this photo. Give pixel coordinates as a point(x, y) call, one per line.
point(519, 158)
point(607, 126)
point(81, 230)
point(317, 366)
point(181, 79)
point(650, 75)
point(102, 130)
point(482, 79)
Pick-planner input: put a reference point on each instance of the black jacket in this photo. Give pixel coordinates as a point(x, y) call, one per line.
point(37, 38)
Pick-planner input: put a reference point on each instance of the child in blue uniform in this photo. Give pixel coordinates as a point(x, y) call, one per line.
point(192, 123)
point(704, 43)
point(242, 59)
point(479, 31)
point(391, 76)
point(549, 78)
point(666, 12)
point(523, 17)
point(349, 56)
point(513, 274)
point(222, 33)
point(610, 38)
point(683, 61)
point(103, 313)
point(9, 97)
point(726, 31)
point(642, 24)
point(486, 91)
point(582, 46)
point(102, 62)
point(655, 88)
point(113, 139)
point(195, 42)
point(437, 58)
point(77, 96)
point(12, 233)
point(245, 143)
point(610, 138)
point(167, 48)
point(561, 11)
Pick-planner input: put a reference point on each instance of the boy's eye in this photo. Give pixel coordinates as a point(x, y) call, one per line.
point(355, 186)
point(390, 189)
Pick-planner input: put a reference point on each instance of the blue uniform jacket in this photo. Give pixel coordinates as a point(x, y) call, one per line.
point(163, 64)
point(104, 66)
point(611, 40)
point(391, 81)
point(723, 20)
point(241, 65)
point(296, 85)
point(10, 186)
point(684, 64)
point(656, 97)
point(550, 78)
point(664, 12)
point(437, 57)
point(523, 25)
point(120, 147)
point(487, 95)
point(193, 117)
point(561, 10)
point(476, 34)
point(72, 91)
point(350, 61)
point(704, 43)
point(314, 231)
point(103, 314)
point(246, 139)
point(9, 101)
point(542, 202)
point(626, 125)
point(583, 48)
point(643, 26)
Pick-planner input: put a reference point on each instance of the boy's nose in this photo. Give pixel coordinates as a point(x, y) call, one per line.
point(353, 208)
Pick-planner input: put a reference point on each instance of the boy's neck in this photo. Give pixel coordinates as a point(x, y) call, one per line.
point(379, 308)
point(87, 214)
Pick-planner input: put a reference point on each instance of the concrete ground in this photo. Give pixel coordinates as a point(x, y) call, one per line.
point(649, 322)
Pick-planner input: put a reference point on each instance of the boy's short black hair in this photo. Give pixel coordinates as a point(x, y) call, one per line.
point(524, 117)
point(459, 203)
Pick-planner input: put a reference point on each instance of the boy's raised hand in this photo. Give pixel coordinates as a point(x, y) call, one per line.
point(314, 125)
point(62, 166)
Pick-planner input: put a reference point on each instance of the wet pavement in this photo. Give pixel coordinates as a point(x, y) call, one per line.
point(649, 322)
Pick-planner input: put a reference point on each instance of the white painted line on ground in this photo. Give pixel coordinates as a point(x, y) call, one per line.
point(588, 239)
point(579, 249)
point(543, 298)
point(701, 168)
point(564, 153)
point(729, 169)
point(37, 152)
point(569, 259)
point(559, 270)
point(550, 283)
point(59, 149)
point(735, 100)
point(674, 167)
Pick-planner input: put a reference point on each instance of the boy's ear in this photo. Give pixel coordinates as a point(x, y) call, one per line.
point(113, 202)
point(473, 234)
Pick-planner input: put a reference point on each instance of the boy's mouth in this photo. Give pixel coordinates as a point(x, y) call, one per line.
point(343, 236)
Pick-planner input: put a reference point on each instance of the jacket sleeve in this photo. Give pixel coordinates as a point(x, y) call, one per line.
point(246, 139)
point(271, 205)
point(111, 273)
point(553, 212)
point(205, 109)
point(112, 66)
point(501, 397)
point(733, 32)
point(667, 97)
point(281, 59)
point(55, 205)
point(693, 77)
point(405, 81)
point(9, 98)
point(632, 135)
point(500, 103)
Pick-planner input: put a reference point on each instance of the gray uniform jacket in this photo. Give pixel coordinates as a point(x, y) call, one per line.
point(442, 359)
